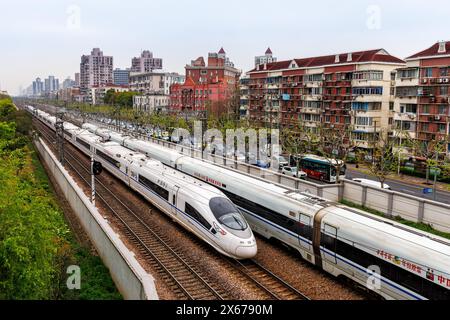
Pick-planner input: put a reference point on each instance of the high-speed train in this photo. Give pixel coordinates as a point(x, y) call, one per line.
point(197, 206)
point(388, 258)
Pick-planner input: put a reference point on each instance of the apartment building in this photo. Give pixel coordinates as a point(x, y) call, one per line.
point(121, 77)
point(266, 58)
point(354, 88)
point(96, 70)
point(207, 86)
point(422, 93)
point(145, 63)
point(154, 82)
point(151, 103)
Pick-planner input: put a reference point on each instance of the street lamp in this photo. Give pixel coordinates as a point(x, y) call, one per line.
point(400, 145)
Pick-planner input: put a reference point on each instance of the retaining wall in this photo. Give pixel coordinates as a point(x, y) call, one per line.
point(132, 281)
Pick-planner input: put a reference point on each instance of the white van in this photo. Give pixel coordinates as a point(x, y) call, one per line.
point(372, 183)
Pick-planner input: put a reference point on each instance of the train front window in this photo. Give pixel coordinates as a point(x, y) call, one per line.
point(227, 213)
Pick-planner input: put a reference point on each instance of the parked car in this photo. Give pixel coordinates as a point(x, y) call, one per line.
point(165, 135)
point(372, 183)
point(292, 171)
point(282, 161)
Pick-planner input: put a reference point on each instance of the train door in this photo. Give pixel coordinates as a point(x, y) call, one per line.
point(174, 200)
point(305, 232)
point(329, 240)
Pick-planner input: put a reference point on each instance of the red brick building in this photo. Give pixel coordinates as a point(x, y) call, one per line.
point(351, 88)
point(207, 86)
point(422, 93)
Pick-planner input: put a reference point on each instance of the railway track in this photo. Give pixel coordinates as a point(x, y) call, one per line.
point(185, 281)
point(183, 277)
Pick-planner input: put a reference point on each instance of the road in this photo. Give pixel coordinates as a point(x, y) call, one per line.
point(415, 190)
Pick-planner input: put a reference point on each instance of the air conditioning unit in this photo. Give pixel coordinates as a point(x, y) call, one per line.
point(440, 80)
point(437, 118)
point(446, 80)
point(424, 81)
point(412, 116)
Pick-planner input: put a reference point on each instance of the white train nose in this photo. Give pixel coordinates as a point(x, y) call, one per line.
point(246, 252)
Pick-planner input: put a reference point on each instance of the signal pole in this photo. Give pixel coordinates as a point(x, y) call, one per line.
point(59, 127)
point(92, 179)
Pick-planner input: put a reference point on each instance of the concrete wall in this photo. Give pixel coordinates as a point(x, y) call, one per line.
point(130, 278)
point(393, 203)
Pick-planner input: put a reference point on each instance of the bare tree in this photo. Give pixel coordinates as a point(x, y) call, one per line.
point(432, 150)
point(299, 141)
point(384, 156)
point(335, 145)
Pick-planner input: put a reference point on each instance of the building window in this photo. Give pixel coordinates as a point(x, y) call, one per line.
point(359, 91)
point(443, 72)
point(391, 106)
point(428, 72)
point(408, 108)
point(364, 121)
point(442, 109)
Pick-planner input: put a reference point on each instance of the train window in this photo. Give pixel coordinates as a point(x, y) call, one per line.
point(410, 281)
point(226, 213)
point(304, 228)
point(108, 158)
point(328, 238)
point(163, 193)
point(83, 143)
point(263, 212)
point(190, 210)
point(390, 271)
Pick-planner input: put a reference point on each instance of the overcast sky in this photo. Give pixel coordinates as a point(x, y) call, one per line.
point(47, 37)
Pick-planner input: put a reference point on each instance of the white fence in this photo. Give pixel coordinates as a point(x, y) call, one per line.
point(393, 203)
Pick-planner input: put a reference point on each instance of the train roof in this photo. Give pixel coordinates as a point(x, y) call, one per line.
point(153, 166)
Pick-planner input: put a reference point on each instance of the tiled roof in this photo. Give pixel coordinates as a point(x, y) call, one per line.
point(432, 51)
point(378, 55)
point(221, 50)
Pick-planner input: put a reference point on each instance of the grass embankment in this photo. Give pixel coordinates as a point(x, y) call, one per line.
point(36, 243)
point(421, 226)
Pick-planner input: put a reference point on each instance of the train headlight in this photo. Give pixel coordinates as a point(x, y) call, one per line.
point(219, 229)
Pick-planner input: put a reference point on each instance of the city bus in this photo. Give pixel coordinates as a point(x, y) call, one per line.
point(320, 168)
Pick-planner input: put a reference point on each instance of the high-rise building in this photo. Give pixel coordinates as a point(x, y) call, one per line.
point(354, 88)
point(422, 104)
point(95, 70)
point(68, 83)
point(145, 63)
point(77, 79)
point(51, 84)
point(207, 86)
point(38, 87)
point(266, 58)
point(121, 77)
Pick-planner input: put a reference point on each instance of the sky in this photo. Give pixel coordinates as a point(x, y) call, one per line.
point(48, 37)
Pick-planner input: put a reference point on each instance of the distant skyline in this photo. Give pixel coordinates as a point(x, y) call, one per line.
point(41, 38)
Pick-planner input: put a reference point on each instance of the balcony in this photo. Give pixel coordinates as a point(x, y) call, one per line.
point(407, 116)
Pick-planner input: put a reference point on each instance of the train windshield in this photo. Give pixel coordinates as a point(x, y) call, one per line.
point(227, 214)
